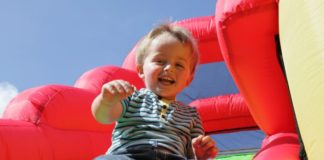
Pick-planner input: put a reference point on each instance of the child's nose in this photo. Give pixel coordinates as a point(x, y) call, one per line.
point(168, 67)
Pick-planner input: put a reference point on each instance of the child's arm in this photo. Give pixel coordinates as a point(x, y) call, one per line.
point(204, 147)
point(106, 107)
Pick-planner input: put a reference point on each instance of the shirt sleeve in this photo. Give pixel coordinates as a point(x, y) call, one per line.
point(197, 126)
point(125, 102)
point(195, 132)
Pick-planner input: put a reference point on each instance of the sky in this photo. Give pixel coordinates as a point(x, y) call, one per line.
point(56, 41)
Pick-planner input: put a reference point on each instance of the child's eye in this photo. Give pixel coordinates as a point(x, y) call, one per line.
point(180, 65)
point(159, 61)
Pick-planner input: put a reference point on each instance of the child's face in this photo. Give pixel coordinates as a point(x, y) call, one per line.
point(167, 67)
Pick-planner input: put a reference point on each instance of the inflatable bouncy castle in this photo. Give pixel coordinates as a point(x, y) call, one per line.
point(251, 51)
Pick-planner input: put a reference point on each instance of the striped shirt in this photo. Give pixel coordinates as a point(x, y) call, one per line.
point(142, 123)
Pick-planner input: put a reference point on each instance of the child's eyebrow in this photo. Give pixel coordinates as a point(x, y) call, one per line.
point(158, 56)
point(183, 59)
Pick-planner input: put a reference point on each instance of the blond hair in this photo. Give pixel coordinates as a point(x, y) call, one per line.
point(181, 34)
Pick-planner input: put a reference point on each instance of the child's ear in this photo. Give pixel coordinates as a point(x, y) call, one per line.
point(140, 72)
point(189, 80)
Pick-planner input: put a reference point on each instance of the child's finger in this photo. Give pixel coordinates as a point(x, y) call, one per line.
point(128, 87)
point(109, 89)
point(212, 152)
point(206, 140)
point(207, 143)
point(125, 88)
point(196, 142)
point(113, 89)
point(119, 87)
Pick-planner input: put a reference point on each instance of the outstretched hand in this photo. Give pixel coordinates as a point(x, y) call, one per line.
point(117, 90)
point(106, 107)
point(204, 147)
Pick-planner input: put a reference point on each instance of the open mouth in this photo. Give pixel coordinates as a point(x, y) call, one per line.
point(166, 80)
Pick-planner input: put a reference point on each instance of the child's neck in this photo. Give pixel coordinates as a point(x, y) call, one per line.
point(165, 101)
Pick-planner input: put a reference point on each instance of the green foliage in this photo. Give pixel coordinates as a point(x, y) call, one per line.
point(236, 157)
